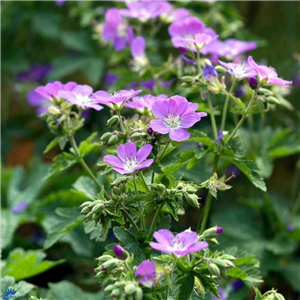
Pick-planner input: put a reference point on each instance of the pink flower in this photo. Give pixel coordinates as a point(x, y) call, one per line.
point(173, 116)
point(182, 244)
point(146, 272)
point(115, 100)
point(143, 102)
point(51, 90)
point(241, 70)
point(129, 160)
point(267, 73)
point(81, 96)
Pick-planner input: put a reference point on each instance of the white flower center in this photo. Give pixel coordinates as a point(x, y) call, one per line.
point(83, 99)
point(177, 245)
point(172, 121)
point(130, 163)
point(122, 30)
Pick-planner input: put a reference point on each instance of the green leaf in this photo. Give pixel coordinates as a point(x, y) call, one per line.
point(9, 224)
point(123, 235)
point(62, 141)
point(58, 227)
point(68, 291)
point(250, 169)
point(258, 295)
point(87, 186)
point(164, 223)
point(21, 264)
point(61, 162)
point(85, 147)
point(186, 282)
point(51, 145)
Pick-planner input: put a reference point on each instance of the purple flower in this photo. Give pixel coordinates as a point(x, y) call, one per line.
point(137, 47)
point(182, 244)
point(297, 80)
point(229, 49)
point(252, 82)
point(116, 29)
point(81, 96)
point(37, 72)
point(145, 10)
point(237, 285)
point(20, 207)
point(186, 28)
point(129, 160)
point(146, 273)
point(173, 116)
point(52, 89)
point(267, 74)
point(36, 100)
point(194, 44)
point(143, 102)
point(116, 100)
point(219, 230)
point(110, 79)
point(59, 2)
point(148, 84)
point(175, 15)
point(209, 71)
point(241, 70)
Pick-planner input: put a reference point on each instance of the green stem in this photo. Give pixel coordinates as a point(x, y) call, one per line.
point(82, 161)
point(208, 201)
point(139, 203)
point(128, 216)
point(212, 116)
point(155, 218)
point(224, 115)
point(163, 152)
point(144, 182)
point(121, 121)
point(198, 63)
point(172, 270)
point(152, 176)
point(245, 115)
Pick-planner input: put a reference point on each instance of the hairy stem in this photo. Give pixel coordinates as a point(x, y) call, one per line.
point(144, 182)
point(154, 221)
point(139, 203)
point(212, 116)
point(245, 115)
point(121, 121)
point(224, 115)
point(128, 216)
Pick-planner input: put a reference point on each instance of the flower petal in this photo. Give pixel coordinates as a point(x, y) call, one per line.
point(130, 149)
point(146, 272)
point(159, 126)
point(121, 152)
point(144, 152)
point(160, 247)
point(113, 161)
point(179, 134)
point(144, 164)
point(189, 120)
point(164, 236)
point(160, 109)
point(187, 238)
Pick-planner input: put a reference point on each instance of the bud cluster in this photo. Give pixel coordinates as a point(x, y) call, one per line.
point(119, 193)
point(115, 277)
point(95, 210)
point(183, 191)
point(272, 295)
point(218, 266)
point(111, 138)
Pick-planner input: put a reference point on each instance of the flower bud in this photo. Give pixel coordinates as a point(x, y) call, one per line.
point(214, 270)
point(212, 232)
point(54, 110)
point(187, 79)
point(109, 288)
point(278, 296)
point(116, 191)
point(119, 251)
point(192, 199)
point(112, 140)
point(138, 293)
point(220, 69)
point(105, 137)
point(115, 292)
point(130, 288)
point(150, 131)
point(122, 187)
point(253, 82)
point(273, 100)
point(113, 121)
point(104, 258)
point(212, 242)
point(110, 264)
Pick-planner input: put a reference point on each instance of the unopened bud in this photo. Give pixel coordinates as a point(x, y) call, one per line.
point(278, 296)
point(116, 191)
point(54, 110)
point(115, 292)
point(212, 232)
point(104, 258)
point(192, 199)
point(113, 121)
point(253, 82)
point(214, 270)
point(187, 79)
point(273, 100)
point(220, 69)
point(112, 140)
point(105, 137)
point(119, 251)
point(110, 264)
point(130, 288)
point(138, 294)
point(150, 130)
point(123, 188)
